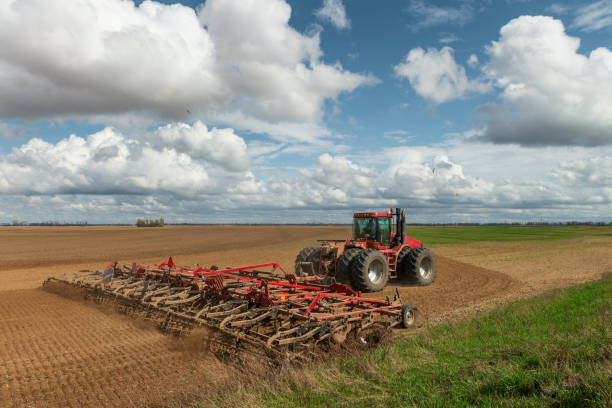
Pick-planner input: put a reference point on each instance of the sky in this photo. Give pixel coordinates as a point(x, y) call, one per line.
point(274, 111)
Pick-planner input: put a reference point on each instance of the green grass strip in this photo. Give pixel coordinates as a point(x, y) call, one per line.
point(437, 235)
point(552, 350)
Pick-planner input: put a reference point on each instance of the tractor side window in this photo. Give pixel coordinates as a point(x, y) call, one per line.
point(384, 230)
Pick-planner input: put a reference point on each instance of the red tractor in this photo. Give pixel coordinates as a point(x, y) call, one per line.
point(373, 256)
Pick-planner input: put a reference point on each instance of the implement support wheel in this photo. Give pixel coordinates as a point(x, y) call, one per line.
point(409, 314)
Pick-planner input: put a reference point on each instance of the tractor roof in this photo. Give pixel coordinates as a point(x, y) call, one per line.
point(371, 214)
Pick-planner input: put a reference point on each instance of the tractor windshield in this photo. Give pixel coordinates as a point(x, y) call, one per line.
point(375, 229)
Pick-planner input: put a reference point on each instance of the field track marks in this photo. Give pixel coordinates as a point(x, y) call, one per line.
point(60, 352)
point(458, 285)
point(540, 266)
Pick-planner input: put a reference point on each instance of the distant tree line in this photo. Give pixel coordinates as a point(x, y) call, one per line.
point(49, 223)
point(142, 222)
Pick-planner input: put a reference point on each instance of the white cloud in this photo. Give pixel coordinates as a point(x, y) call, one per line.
point(456, 177)
point(179, 159)
point(557, 8)
point(111, 177)
point(482, 179)
point(274, 70)
point(341, 173)
point(106, 57)
point(427, 15)
point(103, 57)
point(334, 12)
point(492, 177)
point(551, 94)
point(311, 133)
point(261, 152)
point(399, 136)
point(594, 173)
point(473, 61)
point(595, 16)
point(447, 38)
point(221, 147)
point(10, 131)
point(435, 75)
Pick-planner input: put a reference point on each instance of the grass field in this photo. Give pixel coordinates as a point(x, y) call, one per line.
point(552, 350)
point(435, 235)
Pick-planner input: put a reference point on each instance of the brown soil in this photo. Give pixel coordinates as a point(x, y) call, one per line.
point(457, 286)
point(58, 351)
point(539, 266)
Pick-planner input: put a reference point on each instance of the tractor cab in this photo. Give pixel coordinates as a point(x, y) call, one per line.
point(372, 226)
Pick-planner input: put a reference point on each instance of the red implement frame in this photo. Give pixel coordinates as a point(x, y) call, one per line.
point(301, 297)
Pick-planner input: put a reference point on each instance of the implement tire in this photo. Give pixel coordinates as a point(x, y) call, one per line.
point(370, 271)
point(308, 254)
point(343, 265)
point(409, 315)
point(420, 266)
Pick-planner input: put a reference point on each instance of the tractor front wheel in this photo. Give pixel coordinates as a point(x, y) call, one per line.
point(420, 266)
point(370, 271)
point(308, 254)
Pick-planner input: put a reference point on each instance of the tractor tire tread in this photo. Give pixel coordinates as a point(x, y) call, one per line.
point(343, 266)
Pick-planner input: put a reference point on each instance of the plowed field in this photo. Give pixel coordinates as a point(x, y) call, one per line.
point(58, 351)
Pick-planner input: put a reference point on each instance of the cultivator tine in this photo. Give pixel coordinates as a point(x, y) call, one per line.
point(246, 323)
point(297, 337)
point(182, 301)
point(223, 313)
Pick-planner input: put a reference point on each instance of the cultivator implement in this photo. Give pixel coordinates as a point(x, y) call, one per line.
point(259, 308)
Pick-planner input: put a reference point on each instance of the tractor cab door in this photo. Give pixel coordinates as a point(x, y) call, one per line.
point(383, 232)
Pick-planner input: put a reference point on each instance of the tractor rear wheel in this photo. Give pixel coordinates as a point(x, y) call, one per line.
point(343, 266)
point(403, 259)
point(420, 267)
point(308, 254)
point(370, 271)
